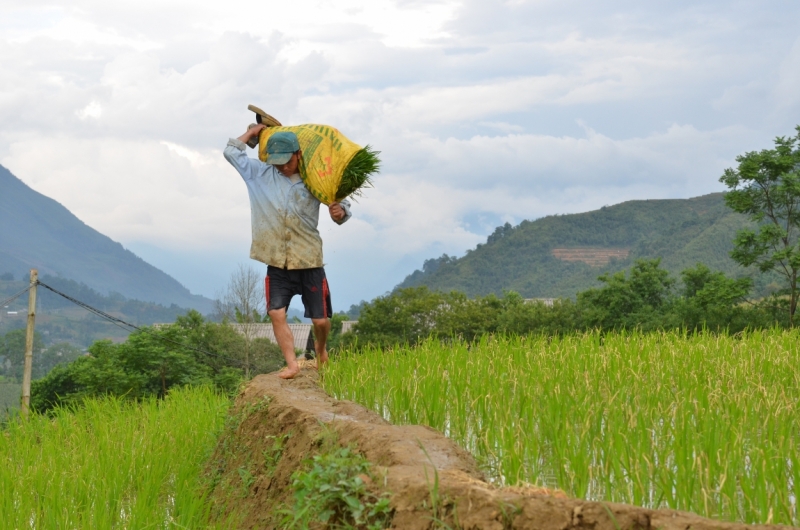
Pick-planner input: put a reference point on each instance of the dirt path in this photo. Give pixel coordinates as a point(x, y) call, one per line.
point(252, 465)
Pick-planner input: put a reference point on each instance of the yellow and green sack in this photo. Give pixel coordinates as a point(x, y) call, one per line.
point(332, 166)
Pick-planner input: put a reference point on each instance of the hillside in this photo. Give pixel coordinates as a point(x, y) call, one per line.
point(557, 256)
point(38, 232)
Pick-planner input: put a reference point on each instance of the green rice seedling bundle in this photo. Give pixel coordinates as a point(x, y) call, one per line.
point(111, 464)
point(705, 423)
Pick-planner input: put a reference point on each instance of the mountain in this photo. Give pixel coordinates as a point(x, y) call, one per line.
point(38, 232)
point(557, 256)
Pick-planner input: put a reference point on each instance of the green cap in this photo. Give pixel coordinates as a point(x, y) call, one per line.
point(281, 146)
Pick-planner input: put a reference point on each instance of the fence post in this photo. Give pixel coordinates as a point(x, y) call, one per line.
point(26, 375)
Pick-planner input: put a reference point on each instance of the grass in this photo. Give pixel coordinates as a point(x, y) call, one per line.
point(704, 423)
point(111, 464)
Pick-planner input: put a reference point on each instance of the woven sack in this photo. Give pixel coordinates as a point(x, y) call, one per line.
point(326, 155)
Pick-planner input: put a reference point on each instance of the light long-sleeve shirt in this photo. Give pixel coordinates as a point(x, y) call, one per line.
point(284, 215)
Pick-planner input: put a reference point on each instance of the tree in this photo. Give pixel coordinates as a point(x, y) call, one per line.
point(626, 302)
point(12, 352)
point(406, 315)
point(714, 301)
point(60, 353)
point(192, 351)
point(766, 187)
point(244, 302)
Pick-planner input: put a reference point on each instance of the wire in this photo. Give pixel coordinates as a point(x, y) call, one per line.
point(132, 327)
point(14, 297)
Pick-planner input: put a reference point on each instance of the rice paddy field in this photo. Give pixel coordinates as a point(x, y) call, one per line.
point(704, 423)
point(111, 464)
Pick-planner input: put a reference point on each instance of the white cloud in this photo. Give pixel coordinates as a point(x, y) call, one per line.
point(167, 194)
point(92, 110)
point(485, 112)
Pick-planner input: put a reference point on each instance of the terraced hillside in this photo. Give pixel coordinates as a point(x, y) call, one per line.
point(559, 255)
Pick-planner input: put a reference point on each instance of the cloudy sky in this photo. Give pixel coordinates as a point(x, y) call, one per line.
point(485, 112)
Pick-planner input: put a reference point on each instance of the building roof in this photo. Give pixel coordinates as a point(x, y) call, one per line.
point(300, 332)
point(347, 325)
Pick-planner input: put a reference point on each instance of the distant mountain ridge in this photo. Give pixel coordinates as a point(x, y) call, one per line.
point(38, 232)
point(560, 255)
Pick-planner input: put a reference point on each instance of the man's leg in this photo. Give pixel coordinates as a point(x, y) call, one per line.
point(317, 301)
point(322, 326)
point(286, 341)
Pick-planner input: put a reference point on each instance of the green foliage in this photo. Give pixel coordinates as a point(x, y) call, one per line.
point(628, 302)
point(335, 336)
point(333, 490)
point(766, 187)
point(10, 397)
point(12, 355)
point(413, 314)
point(273, 453)
point(520, 317)
point(646, 298)
point(153, 361)
point(12, 352)
point(357, 173)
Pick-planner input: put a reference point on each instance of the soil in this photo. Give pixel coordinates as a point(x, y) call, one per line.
point(250, 471)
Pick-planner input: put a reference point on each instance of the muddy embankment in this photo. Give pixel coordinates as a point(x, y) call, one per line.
point(278, 424)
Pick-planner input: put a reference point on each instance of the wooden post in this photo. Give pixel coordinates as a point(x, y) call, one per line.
point(26, 375)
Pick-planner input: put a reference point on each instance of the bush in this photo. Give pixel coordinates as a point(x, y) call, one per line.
point(645, 298)
point(152, 361)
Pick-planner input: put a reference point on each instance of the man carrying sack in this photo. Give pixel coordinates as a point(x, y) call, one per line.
point(284, 217)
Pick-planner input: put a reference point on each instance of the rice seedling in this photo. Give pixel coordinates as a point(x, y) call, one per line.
point(704, 423)
point(111, 463)
point(357, 173)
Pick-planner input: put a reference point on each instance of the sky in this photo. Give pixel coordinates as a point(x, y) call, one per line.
point(485, 112)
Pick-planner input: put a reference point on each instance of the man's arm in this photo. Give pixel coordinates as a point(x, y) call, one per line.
point(252, 133)
point(340, 211)
point(235, 153)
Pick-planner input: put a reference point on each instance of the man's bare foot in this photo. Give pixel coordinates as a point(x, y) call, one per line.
point(322, 359)
point(289, 373)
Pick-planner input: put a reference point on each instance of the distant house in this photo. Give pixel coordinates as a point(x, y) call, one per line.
point(347, 325)
point(303, 337)
point(546, 301)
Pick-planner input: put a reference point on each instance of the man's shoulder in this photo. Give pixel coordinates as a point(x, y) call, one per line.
point(265, 172)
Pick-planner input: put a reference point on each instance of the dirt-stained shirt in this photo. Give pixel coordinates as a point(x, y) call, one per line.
point(283, 213)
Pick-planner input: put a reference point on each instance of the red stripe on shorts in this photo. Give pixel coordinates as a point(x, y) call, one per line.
point(325, 294)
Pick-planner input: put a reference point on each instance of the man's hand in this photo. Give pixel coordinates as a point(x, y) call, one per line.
point(336, 211)
point(252, 133)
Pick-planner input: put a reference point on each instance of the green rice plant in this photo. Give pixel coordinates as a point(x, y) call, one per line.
point(357, 173)
point(111, 463)
point(703, 422)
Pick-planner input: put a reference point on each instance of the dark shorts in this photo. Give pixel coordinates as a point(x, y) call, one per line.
point(281, 285)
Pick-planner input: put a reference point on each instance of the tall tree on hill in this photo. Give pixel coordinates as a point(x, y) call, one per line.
point(766, 187)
